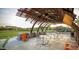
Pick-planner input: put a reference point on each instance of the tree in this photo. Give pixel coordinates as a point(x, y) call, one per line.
point(77, 21)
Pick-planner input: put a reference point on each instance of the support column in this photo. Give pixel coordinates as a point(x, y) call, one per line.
point(39, 27)
point(33, 27)
point(44, 28)
point(69, 21)
point(47, 27)
point(76, 28)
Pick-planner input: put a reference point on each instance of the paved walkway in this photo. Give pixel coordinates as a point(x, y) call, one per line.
point(43, 42)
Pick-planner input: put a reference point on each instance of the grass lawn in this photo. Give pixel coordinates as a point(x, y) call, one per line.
point(6, 34)
point(9, 33)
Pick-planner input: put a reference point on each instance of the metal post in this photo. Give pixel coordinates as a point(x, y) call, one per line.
point(44, 27)
point(33, 27)
point(76, 28)
point(47, 27)
point(27, 19)
point(39, 27)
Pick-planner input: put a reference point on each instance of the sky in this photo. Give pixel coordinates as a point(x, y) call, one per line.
point(8, 18)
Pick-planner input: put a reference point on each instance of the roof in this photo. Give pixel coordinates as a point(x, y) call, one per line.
point(46, 15)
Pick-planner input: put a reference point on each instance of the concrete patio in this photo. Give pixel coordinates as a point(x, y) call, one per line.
point(50, 41)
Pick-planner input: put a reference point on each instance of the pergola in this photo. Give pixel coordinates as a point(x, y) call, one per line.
point(47, 16)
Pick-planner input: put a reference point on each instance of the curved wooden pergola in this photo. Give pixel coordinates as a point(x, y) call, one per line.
point(47, 16)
